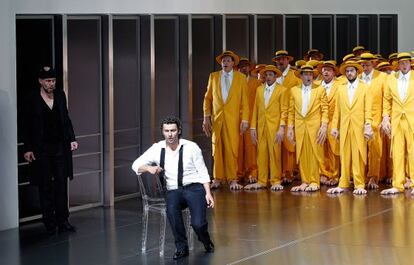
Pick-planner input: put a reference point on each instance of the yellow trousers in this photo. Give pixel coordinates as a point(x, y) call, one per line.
point(402, 154)
point(288, 161)
point(374, 156)
point(352, 163)
point(308, 162)
point(225, 162)
point(246, 160)
point(330, 165)
point(269, 160)
point(386, 160)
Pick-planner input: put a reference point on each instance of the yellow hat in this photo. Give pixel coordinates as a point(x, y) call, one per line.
point(299, 63)
point(348, 57)
point(356, 65)
point(307, 68)
point(271, 68)
point(330, 63)
point(244, 60)
point(392, 56)
point(312, 52)
point(257, 68)
point(314, 63)
point(358, 48)
point(404, 56)
point(282, 53)
point(367, 57)
point(383, 66)
point(228, 53)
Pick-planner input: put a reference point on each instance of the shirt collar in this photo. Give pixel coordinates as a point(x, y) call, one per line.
point(364, 75)
point(284, 74)
point(229, 73)
point(324, 84)
point(407, 75)
point(354, 84)
point(306, 87)
point(271, 86)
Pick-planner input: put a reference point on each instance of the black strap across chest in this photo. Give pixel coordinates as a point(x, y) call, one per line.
point(180, 167)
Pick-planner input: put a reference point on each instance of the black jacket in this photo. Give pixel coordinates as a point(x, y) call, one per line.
point(33, 131)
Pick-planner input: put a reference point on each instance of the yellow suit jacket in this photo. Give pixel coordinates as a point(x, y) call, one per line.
point(352, 117)
point(289, 82)
point(273, 115)
point(226, 112)
point(317, 113)
point(394, 107)
point(252, 85)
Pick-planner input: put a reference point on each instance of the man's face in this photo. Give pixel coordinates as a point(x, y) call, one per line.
point(170, 132)
point(48, 84)
point(328, 74)
point(367, 67)
point(244, 68)
point(316, 56)
point(270, 77)
point(351, 73)
point(404, 66)
point(227, 63)
point(282, 62)
point(307, 78)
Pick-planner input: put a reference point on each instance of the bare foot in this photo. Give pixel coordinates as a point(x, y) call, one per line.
point(287, 179)
point(332, 182)
point(407, 183)
point(372, 184)
point(324, 179)
point(390, 191)
point(360, 191)
point(215, 185)
point(335, 190)
point(312, 187)
point(276, 187)
point(254, 186)
point(301, 187)
point(252, 179)
point(235, 186)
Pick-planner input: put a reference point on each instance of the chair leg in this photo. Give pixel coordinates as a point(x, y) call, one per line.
point(190, 238)
point(144, 230)
point(163, 223)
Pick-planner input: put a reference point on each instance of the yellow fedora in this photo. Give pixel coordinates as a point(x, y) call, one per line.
point(330, 63)
point(367, 57)
point(282, 53)
point(384, 66)
point(257, 68)
point(271, 68)
point(354, 64)
point(312, 52)
point(307, 68)
point(235, 57)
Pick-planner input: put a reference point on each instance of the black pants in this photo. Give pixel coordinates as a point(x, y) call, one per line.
point(53, 186)
point(193, 197)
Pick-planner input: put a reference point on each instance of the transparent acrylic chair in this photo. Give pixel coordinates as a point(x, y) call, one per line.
point(153, 200)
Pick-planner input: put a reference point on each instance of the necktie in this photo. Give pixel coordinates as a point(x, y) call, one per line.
point(227, 86)
point(403, 87)
point(267, 96)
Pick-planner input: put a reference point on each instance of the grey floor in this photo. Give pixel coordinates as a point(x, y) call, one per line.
point(259, 227)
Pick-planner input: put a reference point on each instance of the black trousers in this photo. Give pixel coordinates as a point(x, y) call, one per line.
point(53, 186)
point(193, 197)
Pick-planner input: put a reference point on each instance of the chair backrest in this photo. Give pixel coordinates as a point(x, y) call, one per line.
point(151, 188)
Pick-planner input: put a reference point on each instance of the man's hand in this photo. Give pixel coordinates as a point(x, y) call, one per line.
point(154, 169)
point(280, 134)
point(368, 132)
point(243, 126)
point(207, 126)
point(209, 200)
point(322, 133)
point(253, 136)
point(335, 133)
point(73, 146)
point(291, 135)
point(386, 126)
point(29, 156)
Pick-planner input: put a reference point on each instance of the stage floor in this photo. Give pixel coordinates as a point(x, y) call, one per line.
point(257, 227)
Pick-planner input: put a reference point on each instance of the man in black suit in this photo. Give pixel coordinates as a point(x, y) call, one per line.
point(49, 140)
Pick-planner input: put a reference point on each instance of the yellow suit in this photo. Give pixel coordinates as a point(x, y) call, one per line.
point(267, 120)
point(350, 119)
point(309, 154)
point(402, 128)
point(330, 165)
point(288, 149)
point(247, 164)
point(225, 117)
point(375, 91)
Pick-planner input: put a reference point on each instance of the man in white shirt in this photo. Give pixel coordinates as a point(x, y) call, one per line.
point(187, 182)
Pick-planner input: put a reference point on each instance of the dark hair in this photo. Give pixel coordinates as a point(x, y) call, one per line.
point(172, 120)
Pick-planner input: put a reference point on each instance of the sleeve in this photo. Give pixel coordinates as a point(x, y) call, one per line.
point(387, 99)
point(337, 112)
point(245, 100)
point(368, 107)
point(291, 113)
point(284, 105)
point(253, 122)
point(208, 97)
point(147, 158)
point(199, 164)
point(324, 106)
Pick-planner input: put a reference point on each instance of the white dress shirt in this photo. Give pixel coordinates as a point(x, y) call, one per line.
point(327, 86)
point(367, 78)
point(268, 92)
point(403, 81)
point(226, 79)
point(194, 168)
point(280, 79)
point(306, 93)
point(351, 90)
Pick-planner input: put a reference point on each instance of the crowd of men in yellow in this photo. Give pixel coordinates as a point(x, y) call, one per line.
point(328, 124)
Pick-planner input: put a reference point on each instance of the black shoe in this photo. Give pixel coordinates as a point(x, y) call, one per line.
point(180, 254)
point(66, 227)
point(209, 247)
